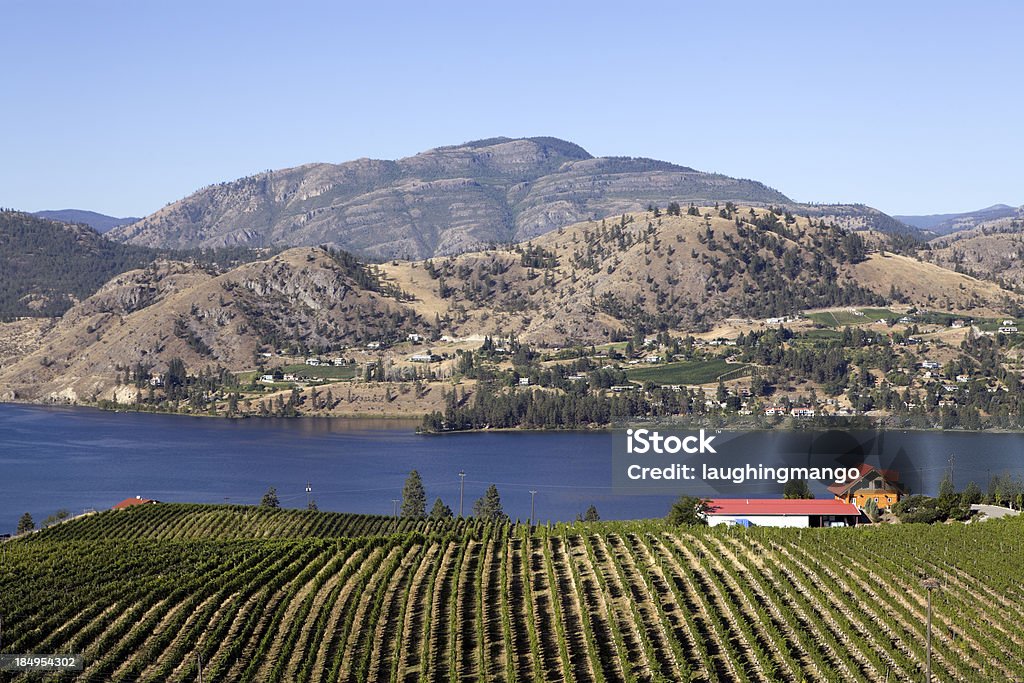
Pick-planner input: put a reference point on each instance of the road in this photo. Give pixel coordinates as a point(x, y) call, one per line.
point(995, 511)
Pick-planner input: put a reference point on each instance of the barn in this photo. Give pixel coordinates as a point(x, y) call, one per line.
point(781, 512)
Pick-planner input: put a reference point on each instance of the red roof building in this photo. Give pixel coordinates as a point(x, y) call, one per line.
point(132, 502)
point(791, 512)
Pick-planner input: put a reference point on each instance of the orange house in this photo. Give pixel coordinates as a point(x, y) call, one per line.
point(882, 486)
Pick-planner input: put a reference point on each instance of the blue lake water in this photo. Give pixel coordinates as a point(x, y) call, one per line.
point(80, 459)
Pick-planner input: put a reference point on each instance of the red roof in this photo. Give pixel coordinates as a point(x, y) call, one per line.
point(129, 502)
point(891, 477)
point(780, 506)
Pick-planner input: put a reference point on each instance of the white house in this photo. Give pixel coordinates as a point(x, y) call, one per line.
point(794, 512)
point(524, 381)
point(929, 364)
point(421, 358)
point(313, 361)
point(1008, 329)
point(414, 338)
point(267, 379)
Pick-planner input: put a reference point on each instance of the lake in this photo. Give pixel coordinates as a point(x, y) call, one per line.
point(79, 459)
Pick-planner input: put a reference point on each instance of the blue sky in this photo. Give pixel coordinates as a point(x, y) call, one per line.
point(121, 107)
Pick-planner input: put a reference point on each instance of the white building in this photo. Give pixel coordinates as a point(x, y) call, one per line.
point(776, 512)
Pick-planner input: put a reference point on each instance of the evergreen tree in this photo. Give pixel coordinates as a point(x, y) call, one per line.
point(972, 494)
point(312, 506)
point(688, 510)
point(488, 506)
point(591, 515)
point(946, 488)
point(797, 488)
point(440, 510)
point(270, 499)
point(26, 524)
point(414, 498)
point(871, 509)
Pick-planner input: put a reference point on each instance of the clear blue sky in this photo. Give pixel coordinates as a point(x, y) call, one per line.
point(121, 107)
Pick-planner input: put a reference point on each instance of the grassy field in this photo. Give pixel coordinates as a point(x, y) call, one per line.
point(265, 595)
point(688, 372)
point(844, 317)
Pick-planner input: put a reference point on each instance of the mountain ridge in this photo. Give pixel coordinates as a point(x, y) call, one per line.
point(448, 200)
point(99, 222)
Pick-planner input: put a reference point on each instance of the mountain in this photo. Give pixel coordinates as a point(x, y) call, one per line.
point(444, 201)
point(592, 282)
point(945, 223)
point(992, 249)
point(46, 266)
point(97, 221)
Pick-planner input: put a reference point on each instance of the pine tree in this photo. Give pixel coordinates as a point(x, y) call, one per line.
point(414, 498)
point(440, 510)
point(312, 506)
point(488, 506)
point(591, 515)
point(270, 499)
point(26, 524)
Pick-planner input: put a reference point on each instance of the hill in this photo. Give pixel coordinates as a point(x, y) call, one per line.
point(946, 223)
point(445, 201)
point(46, 266)
point(589, 283)
point(992, 249)
point(97, 221)
point(465, 600)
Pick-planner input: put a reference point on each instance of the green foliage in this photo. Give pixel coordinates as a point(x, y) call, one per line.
point(688, 372)
point(488, 506)
point(796, 488)
point(270, 499)
point(688, 511)
point(591, 515)
point(57, 517)
point(25, 524)
point(440, 511)
point(871, 510)
point(414, 497)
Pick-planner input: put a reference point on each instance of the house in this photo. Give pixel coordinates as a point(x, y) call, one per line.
point(963, 378)
point(156, 381)
point(132, 502)
point(1007, 322)
point(414, 338)
point(802, 412)
point(905, 320)
point(267, 379)
point(1008, 329)
point(775, 410)
point(313, 361)
point(290, 377)
point(421, 358)
point(794, 512)
point(958, 324)
point(373, 345)
point(883, 486)
point(929, 364)
point(652, 359)
point(338, 362)
point(524, 381)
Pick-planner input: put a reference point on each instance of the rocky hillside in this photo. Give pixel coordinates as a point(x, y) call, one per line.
point(444, 201)
point(991, 249)
point(591, 282)
point(600, 280)
point(309, 298)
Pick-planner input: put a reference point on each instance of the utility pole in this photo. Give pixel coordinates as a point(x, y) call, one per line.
point(462, 489)
point(309, 490)
point(199, 661)
point(929, 584)
point(533, 496)
point(395, 501)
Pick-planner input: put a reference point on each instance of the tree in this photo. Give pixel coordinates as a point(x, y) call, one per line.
point(918, 509)
point(871, 509)
point(688, 510)
point(946, 488)
point(25, 524)
point(414, 498)
point(797, 488)
point(312, 506)
point(270, 499)
point(488, 506)
point(972, 494)
point(591, 515)
point(176, 378)
point(440, 510)
point(58, 516)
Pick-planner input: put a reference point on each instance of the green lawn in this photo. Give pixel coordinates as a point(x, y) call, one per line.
point(844, 317)
point(689, 372)
point(324, 371)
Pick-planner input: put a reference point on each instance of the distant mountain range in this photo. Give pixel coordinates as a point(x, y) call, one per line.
point(97, 221)
point(450, 200)
point(945, 223)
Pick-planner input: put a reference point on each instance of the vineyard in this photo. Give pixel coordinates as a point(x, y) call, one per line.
point(282, 595)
